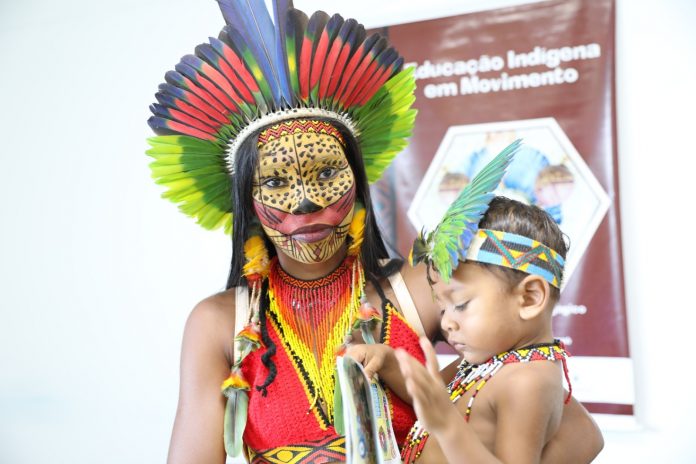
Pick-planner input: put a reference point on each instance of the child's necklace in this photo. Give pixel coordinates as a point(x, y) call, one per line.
point(475, 376)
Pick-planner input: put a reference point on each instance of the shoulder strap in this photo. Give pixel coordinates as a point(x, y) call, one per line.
point(241, 312)
point(408, 308)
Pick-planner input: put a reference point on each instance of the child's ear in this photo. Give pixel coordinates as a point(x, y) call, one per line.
point(534, 293)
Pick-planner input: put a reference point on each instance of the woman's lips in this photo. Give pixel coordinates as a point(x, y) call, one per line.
point(312, 233)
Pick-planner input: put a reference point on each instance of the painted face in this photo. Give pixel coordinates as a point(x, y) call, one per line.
point(480, 318)
point(304, 195)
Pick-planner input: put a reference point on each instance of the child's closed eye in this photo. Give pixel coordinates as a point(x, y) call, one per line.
point(461, 307)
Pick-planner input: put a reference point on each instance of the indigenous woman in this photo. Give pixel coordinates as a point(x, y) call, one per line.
point(273, 131)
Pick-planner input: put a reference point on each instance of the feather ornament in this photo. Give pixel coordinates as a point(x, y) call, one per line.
point(326, 39)
point(444, 247)
point(308, 58)
point(339, 423)
point(332, 55)
point(251, 19)
point(260, 64)
point(356, 231)
point(235, 389)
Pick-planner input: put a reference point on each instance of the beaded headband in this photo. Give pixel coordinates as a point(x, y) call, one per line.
point(516, 252)
point(262, 70)
point(299, 126)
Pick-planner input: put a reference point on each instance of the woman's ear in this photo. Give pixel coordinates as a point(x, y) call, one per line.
point(534, 293)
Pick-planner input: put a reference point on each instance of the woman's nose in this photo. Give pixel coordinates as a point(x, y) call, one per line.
point(306, 206)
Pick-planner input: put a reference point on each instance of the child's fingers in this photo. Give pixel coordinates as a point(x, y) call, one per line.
point(416, 377)
point(430, 358)
point(404, 359)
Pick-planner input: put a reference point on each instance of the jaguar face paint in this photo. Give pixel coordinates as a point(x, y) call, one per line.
point(304, 191)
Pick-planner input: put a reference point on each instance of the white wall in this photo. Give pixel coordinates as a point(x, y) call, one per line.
point(98, 274)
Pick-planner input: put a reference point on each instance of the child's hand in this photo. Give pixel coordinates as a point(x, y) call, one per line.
point(373, 357)
point(430, 399)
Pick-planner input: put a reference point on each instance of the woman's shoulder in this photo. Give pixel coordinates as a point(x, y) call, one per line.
point(212, 320)
point(215, 310)
point(415, 282)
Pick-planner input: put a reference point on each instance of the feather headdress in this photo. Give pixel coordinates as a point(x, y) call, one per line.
point(261, 71)
point(447, 245)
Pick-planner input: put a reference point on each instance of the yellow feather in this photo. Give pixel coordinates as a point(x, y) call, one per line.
point(356, 231)
point(256, 256)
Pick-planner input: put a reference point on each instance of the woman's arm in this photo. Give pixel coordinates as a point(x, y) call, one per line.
point(205, 362)
point(423, 298)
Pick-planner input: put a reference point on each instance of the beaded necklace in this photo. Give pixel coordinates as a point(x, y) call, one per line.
point(475, 376)
point(314, 317)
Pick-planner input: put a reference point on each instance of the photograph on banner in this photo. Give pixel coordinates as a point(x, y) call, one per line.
point(547, 172)
point(542, 72)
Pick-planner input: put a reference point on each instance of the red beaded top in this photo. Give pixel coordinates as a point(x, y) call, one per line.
point(283, 417)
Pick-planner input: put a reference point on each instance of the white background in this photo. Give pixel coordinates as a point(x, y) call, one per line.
point(97, 274)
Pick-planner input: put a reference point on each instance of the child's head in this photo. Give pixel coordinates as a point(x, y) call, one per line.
point(529, 221)
point(491, 308)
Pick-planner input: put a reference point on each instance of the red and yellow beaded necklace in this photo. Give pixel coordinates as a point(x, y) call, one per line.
point(315, 317)
point(475, 376)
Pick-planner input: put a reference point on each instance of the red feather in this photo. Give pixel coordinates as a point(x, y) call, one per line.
point(372, 88)
point(197, 97)
point(204, 96)
point(319, 58)
point(332, 56)
point(187, 108)
point(359, 83)
point(312, 36)
point(217, 78)
point(357, 67)
point(384, 62)
point(187, 130)
point(237, 64)
point(234, 79)
point(320, 54)
point(356, 35)
point(180, 116)
point(304, 64)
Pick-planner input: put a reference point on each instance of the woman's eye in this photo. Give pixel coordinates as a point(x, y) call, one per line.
point(273, 182)
point(327, 173)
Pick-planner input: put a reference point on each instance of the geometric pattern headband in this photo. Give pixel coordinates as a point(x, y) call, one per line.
point(299, 126)
point(516, 252)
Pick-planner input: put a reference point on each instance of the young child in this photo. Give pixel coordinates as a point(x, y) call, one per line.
point(496, 313)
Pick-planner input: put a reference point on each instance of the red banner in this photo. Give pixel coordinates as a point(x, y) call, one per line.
point(543, 72)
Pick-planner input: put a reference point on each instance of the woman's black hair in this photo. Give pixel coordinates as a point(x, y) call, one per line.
point(530, 221)
point(244, 217)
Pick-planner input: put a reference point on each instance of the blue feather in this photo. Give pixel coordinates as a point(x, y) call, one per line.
point(253, 21)
point(280, 15)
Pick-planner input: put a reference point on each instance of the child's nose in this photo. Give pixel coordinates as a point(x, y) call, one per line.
point(447, 323)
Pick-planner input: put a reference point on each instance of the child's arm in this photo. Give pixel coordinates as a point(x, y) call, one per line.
point(523, 416)
point(379, 359)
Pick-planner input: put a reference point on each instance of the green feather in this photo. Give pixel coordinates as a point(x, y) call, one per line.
point(446, 248)
point(338, 406)
point(235, 422)
point(196, 177)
